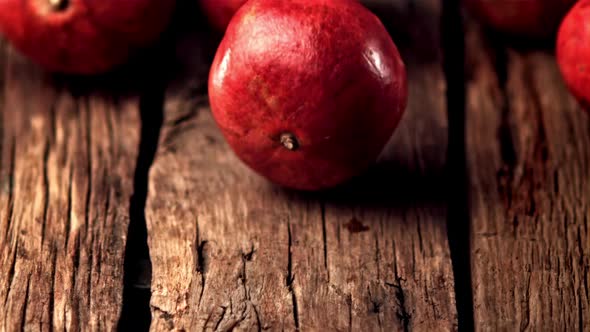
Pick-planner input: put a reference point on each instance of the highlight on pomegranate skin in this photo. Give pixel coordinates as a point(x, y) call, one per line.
point(82, 36)
point(307, 92)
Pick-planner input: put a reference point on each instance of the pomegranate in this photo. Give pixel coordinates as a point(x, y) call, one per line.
point(82, 36)
point(573, 51)
point(307, 92)
point(220, 12)
point(536, 19)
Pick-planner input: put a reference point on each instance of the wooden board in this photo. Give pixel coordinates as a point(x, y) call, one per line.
point(67, 159)
point(529, 167)
point(229, 250)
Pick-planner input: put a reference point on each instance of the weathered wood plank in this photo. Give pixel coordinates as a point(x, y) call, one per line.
point(528, 149)
point(380, 253)
point(229, 250)
point(66, 177)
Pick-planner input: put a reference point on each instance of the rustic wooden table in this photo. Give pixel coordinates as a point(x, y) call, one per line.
point(121, 206)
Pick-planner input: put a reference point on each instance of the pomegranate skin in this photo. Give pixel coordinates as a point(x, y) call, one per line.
point(220, 12)
point(82, 36)
point(307, 92)
point(573, 52)
point(537, 19)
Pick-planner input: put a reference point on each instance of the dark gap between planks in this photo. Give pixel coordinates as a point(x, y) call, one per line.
point(136, 312)
point(458, 219)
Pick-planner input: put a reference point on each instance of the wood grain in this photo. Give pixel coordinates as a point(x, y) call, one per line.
point(66, 176)
point(229, 250)
point(529, 169)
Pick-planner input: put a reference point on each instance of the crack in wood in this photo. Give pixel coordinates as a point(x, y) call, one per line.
point(377, 256)
point(167, 316)
point(325, 237)
point(221, 317)
point(183, 117)
point(89, 172)
point(586, 281)
point(413, 248)
point(89, 261)
point(200, 261)
point(53, 278)
point(168, 141)
point(257, 315)
point(505, 132)
point(11, 175)
point(525, 161)
point(291, 278)
point(565, 235)
point(11, 270)
point(76, 267)
point(349, 303)
point(395, 268)
point(46, 194)
point(111, 128)
point(208, 319)
point(235, 323)
point(376, 308)
point(338, 229)
point(580, 247)
point(247, 257)
point(514, 224)
point(527, 301)
point(23, 321)
point(107, 214)
point(419, 231)
point(68, 224)
point(402, 313)
point(580, 314)
point(432, 303)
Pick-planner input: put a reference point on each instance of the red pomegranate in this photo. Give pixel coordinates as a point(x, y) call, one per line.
point(82, 36)
point(220, 12)
point(536, 19)
point(573, 51)
point(307, 92)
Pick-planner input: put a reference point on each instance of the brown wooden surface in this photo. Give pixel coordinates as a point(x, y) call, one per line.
point(528, 147)
point(229, 250)
point(66, 177)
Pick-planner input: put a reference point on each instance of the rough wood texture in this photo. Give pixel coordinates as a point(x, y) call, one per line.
point(66, 177)
point(229, 250)
point(529, 168)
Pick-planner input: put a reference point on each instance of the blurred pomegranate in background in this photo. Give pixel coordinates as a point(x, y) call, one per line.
point(307, 92)
point(82, 36)
point(220, 12)
point(537, 19)
point(573, 51)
